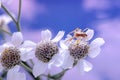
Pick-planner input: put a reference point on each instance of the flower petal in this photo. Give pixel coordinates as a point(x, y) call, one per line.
point(90, 34)
point(95, 45)
point(62, 45)
point(7, 19)
point(80, 66)
point(28, 44)
point(87, 66)
point(94, 52)
point(57, 60)
point(97, 42)
point(59, 36)
point(39, 68)
point(67, 61)
point(46, 35)
point(27, 54)
point(84, 65)
point(17, 38)
point(14, 74)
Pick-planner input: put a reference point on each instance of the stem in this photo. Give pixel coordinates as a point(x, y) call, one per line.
point(1, 78)
point(5, 9)
point(26, 67)
point(57, 76)
point(14, 20)
point(5, 32)
point(19, 14)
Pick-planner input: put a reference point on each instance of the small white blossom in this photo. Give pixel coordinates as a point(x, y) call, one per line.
point(11, 54)
point(75, 51)
point(46, 52)
point(4, 21)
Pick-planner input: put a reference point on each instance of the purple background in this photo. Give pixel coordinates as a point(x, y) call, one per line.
point(101, 15)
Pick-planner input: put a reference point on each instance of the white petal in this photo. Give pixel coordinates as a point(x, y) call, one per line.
point(1, 67)
point(17, 38)
point(90, 34)
point(28, 44)
point(84, 65)
point(57, 60)
point(39, 68)
point(67, 61)
point(5, 18)
point(87, 66)
point(46, 35)
point(97, 42)
point(8, 44)
point(62, 45)
point(59, 36)
point(80, 66)
point(14, 74)
point(94, 52)
point(27, 55)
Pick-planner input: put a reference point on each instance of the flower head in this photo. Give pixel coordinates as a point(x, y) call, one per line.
point(46, 52)
point(77, 48)
point(11, 54)
point(4, 21)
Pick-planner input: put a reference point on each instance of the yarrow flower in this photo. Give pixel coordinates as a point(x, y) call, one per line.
point(4, 21)
point(11, 54)
point(46, 52)
point(77, 48)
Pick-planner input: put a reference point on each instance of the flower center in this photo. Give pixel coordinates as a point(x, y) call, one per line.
point(46, 50)
point(78, 51)
point(10, 57)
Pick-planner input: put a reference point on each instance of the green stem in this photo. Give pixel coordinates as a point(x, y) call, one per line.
point(26, 67)
point(6, 32)
point(19, 14)
point(19, 11)
point(57, 76)
point(1, 78)
point(5, 9)
point(16, 22)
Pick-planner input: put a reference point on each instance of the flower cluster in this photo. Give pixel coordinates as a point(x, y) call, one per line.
point(37, 58)
point(71, 52)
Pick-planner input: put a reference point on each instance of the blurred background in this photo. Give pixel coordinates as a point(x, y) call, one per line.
point(101, 15)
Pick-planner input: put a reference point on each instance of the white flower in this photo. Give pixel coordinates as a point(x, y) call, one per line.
point(4, 21)
point(78, 52)
point(46, 52)
point(11, 54)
